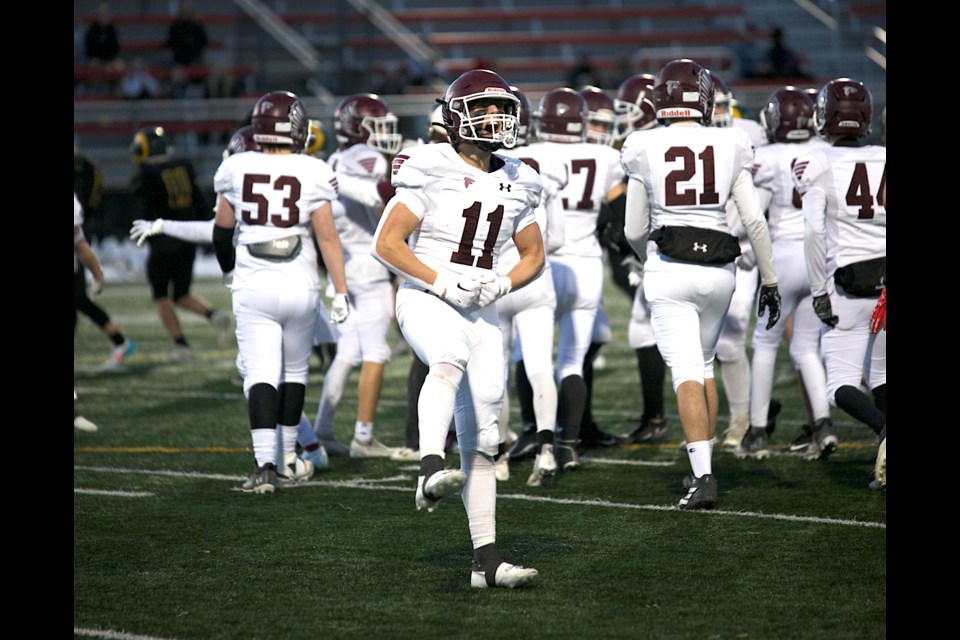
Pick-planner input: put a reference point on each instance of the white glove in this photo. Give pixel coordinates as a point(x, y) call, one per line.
point(96, 288)
point(143, 229)
point(228, 278)
point(493, 287)
point(635, 275)
point(339, 309)
point(462, 294)
point(747, 260)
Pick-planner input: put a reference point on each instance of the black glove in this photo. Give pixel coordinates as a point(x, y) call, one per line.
point(824, 310)
point(769, 299)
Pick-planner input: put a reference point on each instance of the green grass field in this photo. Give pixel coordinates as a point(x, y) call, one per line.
point(167, 547)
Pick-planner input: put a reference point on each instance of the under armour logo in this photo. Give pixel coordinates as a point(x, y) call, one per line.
point(504, 187)
point(700, 247)
point(467, 182)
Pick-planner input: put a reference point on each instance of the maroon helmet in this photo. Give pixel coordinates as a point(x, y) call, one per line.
point(683, 89)
point(787, 115)
point(241, 140)
point(466, 116)
point(279, 117)
point(524, 116)
point(366, 118)
point(562, 116)
point(601, 117)
point(634, 105)
point(844, 108)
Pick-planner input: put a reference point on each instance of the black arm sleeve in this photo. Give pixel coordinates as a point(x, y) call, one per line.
point(223, 248)
point(610, 226)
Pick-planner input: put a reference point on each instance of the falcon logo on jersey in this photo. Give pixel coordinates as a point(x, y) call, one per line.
point(398, 162)
point(505, 187)
point(368, 164)
point(467, 181)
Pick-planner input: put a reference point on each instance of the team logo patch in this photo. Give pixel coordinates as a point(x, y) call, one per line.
point(467, 181)
point(368, 164)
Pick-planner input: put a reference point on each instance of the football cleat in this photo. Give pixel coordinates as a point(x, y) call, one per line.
point(823, 441)
point(647, 432)
point(263, 480)
point(222, 324)
point(405, 454)
point(544, 467)
point(503, 468)
point(507, 576)
point(334, 447)
point(735, 432)
point(318, 457)
point(79, 422)
point(567, 457)
point(702, 493)
point(755, 444)
point(439, 485)
point(525, 445)
point(880, 467)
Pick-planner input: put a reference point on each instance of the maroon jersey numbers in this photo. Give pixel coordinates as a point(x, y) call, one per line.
point(464, 254)
point(259, 215)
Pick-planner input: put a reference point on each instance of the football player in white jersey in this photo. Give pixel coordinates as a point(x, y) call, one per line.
point(201, 232)
point(732, 345)
point(787, 118)
point(634, 105)
point(272, 207)
point(526, 316)
point(681, 177)
point(595, 176)
point(366, 133)
point(458, 204)
point(84, 256)
point(843, 187)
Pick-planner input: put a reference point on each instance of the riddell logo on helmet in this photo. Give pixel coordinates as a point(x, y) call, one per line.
point(677, 113)
point(494, 90)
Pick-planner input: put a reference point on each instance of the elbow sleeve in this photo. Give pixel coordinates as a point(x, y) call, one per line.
point(223, 248)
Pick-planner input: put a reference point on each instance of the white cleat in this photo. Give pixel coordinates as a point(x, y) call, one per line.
point(83, 424)
point(372, 449)
point(440, 485)
point(544, 467)
point(880, 468)
point(508, 576)
point(503, 468)
point(405, 454)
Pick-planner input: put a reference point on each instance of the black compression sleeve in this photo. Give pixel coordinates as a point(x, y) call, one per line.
point(223, 247)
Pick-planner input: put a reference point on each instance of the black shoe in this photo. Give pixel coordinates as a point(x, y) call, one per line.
point(823, 442)
point(772, 414)
point(566, 454)
point(592, 437)
point(526, 444)
point(702, 494)
point(800, 445)
point(647, 433)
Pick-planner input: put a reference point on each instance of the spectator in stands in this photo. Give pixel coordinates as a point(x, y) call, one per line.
point(187, 37)
point(584, 73)
point(100, 43)
point(750, 52)
point(138, 83)
point(782, 60)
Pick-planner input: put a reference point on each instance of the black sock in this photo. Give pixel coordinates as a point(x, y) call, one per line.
point(429, 465)
point(880, 398)
point(544, 437)
point(487, 559)
point(592, 352)
point(208, 314)
point(181, 342)
point(418, 373)
point(570, 406)
point(858, 405)
point(653, 372)
point(117, 339)
point(524, 395)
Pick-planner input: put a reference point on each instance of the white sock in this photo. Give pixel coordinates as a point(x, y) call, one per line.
point(363, 432)
point(480, 498)
point(736, 384)
point(438, 396)
point(264, 445)
point(700, 457)
point(544, 401)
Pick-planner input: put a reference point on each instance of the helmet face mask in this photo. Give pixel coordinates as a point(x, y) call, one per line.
point(722, 102)
point(365, 118)
point(280, 118)
point(480, 109)
point(562, 116)
point(316, 138)
point(683, 90)
point(601, 118)
point(844, 108)
point(787, 115)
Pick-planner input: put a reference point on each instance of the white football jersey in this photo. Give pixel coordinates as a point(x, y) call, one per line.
point(553, 176)
point(688, 172)
point(592, 170)
point(358, 222)
point(843, 213)
point(773, 172)
point(77, 222)
point(753, 129)
point(462, 206)
point(273, 197)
